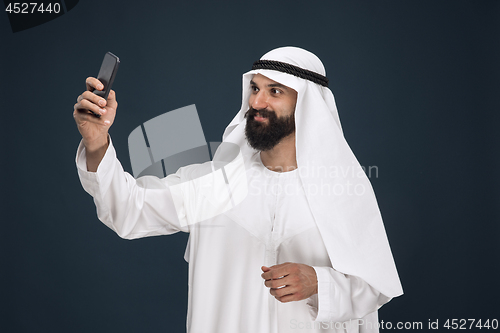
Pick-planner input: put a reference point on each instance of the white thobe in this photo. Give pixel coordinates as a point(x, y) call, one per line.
point(272, 225)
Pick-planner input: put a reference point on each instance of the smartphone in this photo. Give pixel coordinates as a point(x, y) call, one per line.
point(106, 75)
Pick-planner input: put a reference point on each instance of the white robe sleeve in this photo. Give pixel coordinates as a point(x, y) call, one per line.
point(132, 208)
point(343, 297)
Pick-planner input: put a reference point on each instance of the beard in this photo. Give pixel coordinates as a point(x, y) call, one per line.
point(265, 136)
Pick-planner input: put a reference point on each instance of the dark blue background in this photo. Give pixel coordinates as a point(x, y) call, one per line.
point(417, 88)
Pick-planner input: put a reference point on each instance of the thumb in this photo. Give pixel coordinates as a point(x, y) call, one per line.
point(265, 269)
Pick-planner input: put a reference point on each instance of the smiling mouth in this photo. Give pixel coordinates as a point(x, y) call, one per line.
point(258, 117)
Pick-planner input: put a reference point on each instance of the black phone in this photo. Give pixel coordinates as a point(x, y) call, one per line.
point(106, 75)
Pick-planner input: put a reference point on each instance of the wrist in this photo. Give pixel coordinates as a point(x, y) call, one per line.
point(96, 146)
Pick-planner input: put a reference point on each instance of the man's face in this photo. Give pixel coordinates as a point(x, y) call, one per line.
point(271, 114)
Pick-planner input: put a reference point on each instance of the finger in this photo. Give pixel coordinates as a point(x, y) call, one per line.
point(273, 274)
point(280, 265)
point(267, 275)
point(282, 291)
point(111, 102)
point(288, 298)
point(102, 102)
point(278, 283)
point(277, 271)
point(85, 104)
point(87, 107)
point(94, 98)
point(82, 117)
point(79, 107)
point(265, 269)
point(93, 83)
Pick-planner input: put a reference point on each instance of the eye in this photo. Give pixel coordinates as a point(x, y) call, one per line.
point(254, 88)
point(276, 91)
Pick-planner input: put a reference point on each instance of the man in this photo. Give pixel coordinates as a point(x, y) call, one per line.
point(306, 249)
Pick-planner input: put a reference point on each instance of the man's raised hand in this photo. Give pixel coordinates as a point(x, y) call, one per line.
point(290, 281)
point(94, 130)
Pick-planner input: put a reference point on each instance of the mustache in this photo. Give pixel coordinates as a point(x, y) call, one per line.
point(262, 112)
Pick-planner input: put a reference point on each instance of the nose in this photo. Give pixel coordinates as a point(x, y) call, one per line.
point(259, 101)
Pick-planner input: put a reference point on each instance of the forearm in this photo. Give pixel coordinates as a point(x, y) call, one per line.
point(95, 151)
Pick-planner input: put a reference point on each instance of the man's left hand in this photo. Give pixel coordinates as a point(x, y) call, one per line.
point(290, 281)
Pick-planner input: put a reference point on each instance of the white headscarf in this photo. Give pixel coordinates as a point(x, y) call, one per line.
point(338, 191)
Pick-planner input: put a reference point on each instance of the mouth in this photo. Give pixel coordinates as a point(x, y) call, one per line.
point(259, 118)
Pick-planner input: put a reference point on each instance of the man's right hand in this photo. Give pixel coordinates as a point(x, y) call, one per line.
point(94, 130)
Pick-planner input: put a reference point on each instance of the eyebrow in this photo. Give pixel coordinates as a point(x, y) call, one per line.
point(272, 85)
